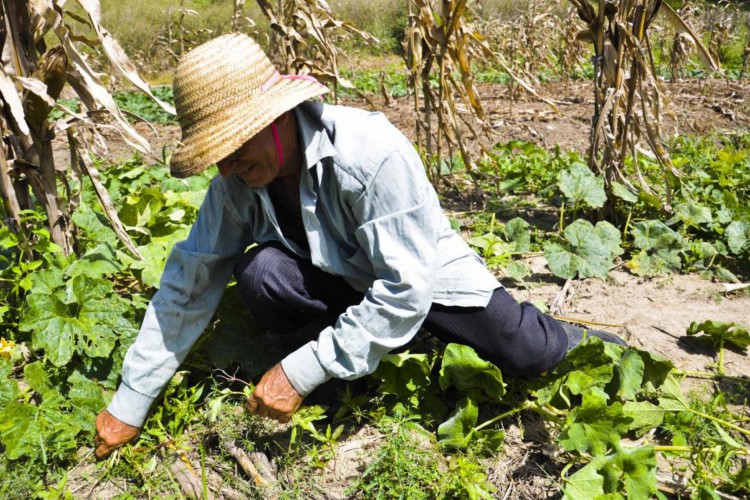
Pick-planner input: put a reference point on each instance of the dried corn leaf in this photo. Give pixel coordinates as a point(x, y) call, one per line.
point(681, 26)
point(117, 55)
point(9, 93)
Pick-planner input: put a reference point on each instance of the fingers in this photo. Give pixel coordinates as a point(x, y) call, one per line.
point(252, 404)
point(257, 407)
point(274, 396)
point(111, 433)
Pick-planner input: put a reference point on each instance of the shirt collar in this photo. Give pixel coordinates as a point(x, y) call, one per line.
point(313, 134)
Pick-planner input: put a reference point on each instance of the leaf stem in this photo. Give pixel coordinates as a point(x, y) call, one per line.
point(690, 449)
point(524, 406)
point(730, 425)
point(562, 216)
point(711, 376)
point(627, 224)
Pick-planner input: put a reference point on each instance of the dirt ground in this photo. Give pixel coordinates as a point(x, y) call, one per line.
point(650, 313)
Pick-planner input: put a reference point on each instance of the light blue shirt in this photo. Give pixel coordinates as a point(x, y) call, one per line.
point(371, 216)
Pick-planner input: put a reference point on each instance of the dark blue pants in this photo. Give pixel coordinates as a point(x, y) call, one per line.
point(287, 294)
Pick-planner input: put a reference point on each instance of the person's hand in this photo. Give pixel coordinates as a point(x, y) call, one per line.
point(111, 433)
point(274, 396)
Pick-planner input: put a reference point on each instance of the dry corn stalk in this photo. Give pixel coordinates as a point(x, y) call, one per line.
point(306, 30)
point(31, 80)
point(627, 94)
point(441, 42)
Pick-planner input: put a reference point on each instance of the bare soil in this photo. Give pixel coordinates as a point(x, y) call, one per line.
point(650, 313)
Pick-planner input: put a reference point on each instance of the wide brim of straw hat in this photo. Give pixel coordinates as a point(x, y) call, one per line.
point(224, 97)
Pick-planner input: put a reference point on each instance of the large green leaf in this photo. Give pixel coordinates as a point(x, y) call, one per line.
point(656, 370)
point(655, 235)
point(36, 376)
point(87, 399)
point(629, 372)
point(8, 386)
point(623, 192)
point(465, 370)
point(660, 249)
point(646, 416)
point(54, 327)
point(48, 281)
point(594, 427)
point(154, 259)
point(591, 365)
point(738, 236)
point(456, 432)
point(103, 260)
point(628, 473)
point(588, 252)
point(39, 430)
point(636, 470)
point(89, 320)
point(94, 225)
point(691, 214)
point(20, 430)
point(517, 231)
point(728, 334)
point(579, 184)
point(404, 375)
point(587, 483)
point(459, 431)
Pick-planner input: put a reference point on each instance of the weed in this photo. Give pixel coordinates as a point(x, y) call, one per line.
point(408, 465)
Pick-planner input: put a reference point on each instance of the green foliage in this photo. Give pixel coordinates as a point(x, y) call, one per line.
point(408, 466)
point(82, 316)
point(461, 432)
point(721, 334)
point(144, 108)
point(75, 317)
point(629, 472)
point(49, 429)
point(660, 249)
point(496, 249)
point(470, 374)
point(522, 167)
point(405, 376)
point(581, 186)
point(587, 251)
point(594, 426)
point(738, 236)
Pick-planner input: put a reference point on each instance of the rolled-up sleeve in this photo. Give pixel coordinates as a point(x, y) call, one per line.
point(397, 230)
point(192, 285)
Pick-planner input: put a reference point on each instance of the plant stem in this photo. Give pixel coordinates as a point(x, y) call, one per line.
point(711, 376)
point(562, 217)
point(690, 449)
point(674, 449)
point(627, 225)
point(508, 413)
point(730, 425)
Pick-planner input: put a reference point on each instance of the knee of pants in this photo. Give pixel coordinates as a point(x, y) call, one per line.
point(257, 274)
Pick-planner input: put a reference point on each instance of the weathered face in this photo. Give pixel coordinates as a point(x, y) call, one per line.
point(256, 162)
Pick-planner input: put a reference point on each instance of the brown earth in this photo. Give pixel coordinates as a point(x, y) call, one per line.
point(651, 314)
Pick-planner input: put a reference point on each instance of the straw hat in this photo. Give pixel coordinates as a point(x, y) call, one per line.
point(225, 92)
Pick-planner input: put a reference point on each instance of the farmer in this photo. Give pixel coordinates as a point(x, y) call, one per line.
point(351, 245)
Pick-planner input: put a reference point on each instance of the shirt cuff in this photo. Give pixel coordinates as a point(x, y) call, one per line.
point(303, 369)
point(130, 406)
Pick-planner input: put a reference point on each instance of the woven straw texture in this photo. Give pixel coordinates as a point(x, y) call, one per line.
point(225, 92)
